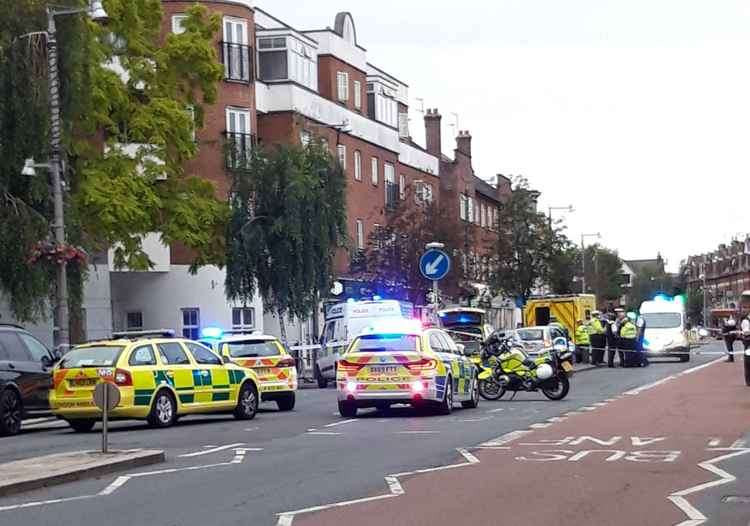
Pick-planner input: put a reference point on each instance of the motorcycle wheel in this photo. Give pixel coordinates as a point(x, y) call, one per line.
point(560, 391)
point(490, 390)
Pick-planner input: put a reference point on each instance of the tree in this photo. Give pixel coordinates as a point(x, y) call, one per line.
point(603, 273)
point(525, 244)
point(650, 281)
point(288, 218)
point(116, 195)
point(562, 269)
point(391, 258)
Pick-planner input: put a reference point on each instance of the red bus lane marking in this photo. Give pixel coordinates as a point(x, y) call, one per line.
point(622, 464)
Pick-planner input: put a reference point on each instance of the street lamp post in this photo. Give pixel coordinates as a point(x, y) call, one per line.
point(705, 300)
point(551, 208)
point(583, 259)
point(97, 13)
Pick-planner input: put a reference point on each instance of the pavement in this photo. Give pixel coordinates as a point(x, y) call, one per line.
point(228, 472)
point(37, 472)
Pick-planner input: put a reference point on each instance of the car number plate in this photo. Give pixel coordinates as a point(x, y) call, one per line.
point(567, 367)
point(384, 369)
point(83, 382)
point(262, 370)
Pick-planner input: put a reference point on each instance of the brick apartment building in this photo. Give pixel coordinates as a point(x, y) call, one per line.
point(724, 273)
point(284, 85)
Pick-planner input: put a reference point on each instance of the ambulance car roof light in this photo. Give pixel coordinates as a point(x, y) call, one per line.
point(376, 298)
point(351, 300)
point(212, 332)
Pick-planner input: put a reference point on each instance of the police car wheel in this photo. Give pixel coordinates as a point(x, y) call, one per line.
point(286, 403)
point(82, 425)
point(247, 403)
point(474, 401)
point(347, 409)
point(164, 411)
point(446, 406)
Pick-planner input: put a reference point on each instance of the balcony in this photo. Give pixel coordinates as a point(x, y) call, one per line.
point(239, 147)
point(237, 60)
point(392, 196)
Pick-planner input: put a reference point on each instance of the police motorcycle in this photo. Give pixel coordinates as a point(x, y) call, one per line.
point(506, 367)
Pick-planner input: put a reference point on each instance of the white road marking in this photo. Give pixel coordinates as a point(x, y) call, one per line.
point(252, 428)
point(540, 425)
point(506, 438)
point(323, 433)
point(394, 487)
point(478, 419)
point(417, 432)
point(334, 424)
point(212, 450)
point(666, 379)
point(496, 410)
point(714, 442)
point(43, 502)
point(737, 444)
point(118, 483)
point(695, 517)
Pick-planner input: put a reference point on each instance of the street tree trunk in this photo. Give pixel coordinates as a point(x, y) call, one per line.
point(282, 328)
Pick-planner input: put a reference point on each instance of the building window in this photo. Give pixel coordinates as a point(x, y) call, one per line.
point(272, 58)
point(177, 24)
point(391, 189)
point(305, 137)
point(402, 186)
point(243, 318)
point(470, 210)
point(236, 54)
point(357, 94)
point(360, 235)
point(134, 320)
point(374, 170)
point(357, 165)
point(341, 149)
point(475, 206)
point(342, 81)
point(191, 323)
point(427, 193)
point(483, 216)
point(239, 137)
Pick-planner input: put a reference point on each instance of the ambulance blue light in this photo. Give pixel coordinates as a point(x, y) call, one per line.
point(351, 300)
point(212, 332)
point(376, 298)
point(662, 297)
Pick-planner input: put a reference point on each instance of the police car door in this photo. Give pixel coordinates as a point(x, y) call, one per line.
point(439, 345)
point(463, 367)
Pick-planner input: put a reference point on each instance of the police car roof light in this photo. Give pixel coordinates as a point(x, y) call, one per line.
point(212, 332)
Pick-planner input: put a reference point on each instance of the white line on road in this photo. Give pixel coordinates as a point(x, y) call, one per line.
point(334, 424)
point(323, 433)
point(43, 502)
point(425, 432)
point(478, 419)
point(540, 425)
point(714, 442)
point(737, 444)
point(506, 438)
point(212, 450)
point(496, 410)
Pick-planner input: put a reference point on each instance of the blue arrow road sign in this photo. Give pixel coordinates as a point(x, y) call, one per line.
point(434, 264)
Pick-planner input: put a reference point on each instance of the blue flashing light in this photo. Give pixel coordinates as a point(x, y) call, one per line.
point(392, 327)
point(662, 297)
point(351, 300)
point(212, 332)
point(376, 298)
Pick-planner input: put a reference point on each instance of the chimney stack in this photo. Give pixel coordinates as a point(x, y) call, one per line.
point(432, 132)
point(463, 142)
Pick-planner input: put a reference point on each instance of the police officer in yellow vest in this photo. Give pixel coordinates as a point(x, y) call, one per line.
point(597, 338)
point(583, 352)
point(626, 341)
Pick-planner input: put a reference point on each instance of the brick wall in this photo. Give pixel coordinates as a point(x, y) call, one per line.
point(328, 67)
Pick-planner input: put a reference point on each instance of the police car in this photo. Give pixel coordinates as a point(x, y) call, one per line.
point(265, 355)
point(400, 362)
point(159, 378)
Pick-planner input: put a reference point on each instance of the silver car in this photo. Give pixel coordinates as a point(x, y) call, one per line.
point(541, 338)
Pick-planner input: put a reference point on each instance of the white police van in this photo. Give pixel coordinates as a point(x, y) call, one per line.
point(346, 321)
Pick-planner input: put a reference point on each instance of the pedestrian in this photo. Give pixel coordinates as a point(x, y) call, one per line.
point(611, 333)
point(597, 337)
point(627, 336)
point(583, 350)
point(640, 325)
point(729, 331)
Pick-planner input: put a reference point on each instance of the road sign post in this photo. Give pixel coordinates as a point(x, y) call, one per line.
point(106, 398)
point(434, 265)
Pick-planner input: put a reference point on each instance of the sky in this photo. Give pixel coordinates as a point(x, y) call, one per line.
point(636, 112)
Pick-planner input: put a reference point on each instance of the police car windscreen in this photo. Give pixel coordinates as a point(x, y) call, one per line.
point(451, 319)
point(662, 320)
point(252, 349)
point(386, 343)
point(104, 356)
point(530, 335)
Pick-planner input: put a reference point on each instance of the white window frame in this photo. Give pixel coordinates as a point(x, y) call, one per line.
point(196, 327)
point(243, 322)
point(305, 137)
point(341, 151)
point(237, 112)
point(360, 234)
point(177, 27)
point(374, 175)
point(357, 94)
point(427, 193)
point(402, 186)
point(462, 206)
point(342, 86)
point(235, 22)
point(357, 165)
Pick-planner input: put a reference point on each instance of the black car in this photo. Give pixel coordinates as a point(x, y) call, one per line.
point(25, 377)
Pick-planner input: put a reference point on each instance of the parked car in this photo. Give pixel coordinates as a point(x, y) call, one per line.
point(25, 377)
point(541, 338)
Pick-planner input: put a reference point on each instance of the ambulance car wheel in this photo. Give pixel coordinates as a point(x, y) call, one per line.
point(446, 406)
point(82, 425)
point(164, 411)
point(322, 382)
point(286, 403)
point(347, 409)
point(247, 402)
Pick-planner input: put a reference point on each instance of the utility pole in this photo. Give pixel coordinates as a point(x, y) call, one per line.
point(551, 208)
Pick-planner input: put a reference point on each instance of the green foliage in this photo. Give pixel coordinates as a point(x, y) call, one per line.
point(115, 198)
point(563, 268)
point(603, 273)
point(525, 244)
point(288, 218)
point(648, 282)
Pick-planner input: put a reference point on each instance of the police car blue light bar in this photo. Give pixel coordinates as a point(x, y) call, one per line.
point(212, 332)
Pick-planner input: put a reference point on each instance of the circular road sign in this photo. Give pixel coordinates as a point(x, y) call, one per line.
point(113, 395)
point(434, 264)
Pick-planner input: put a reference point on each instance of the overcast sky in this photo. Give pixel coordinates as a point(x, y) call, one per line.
point(636, 112)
